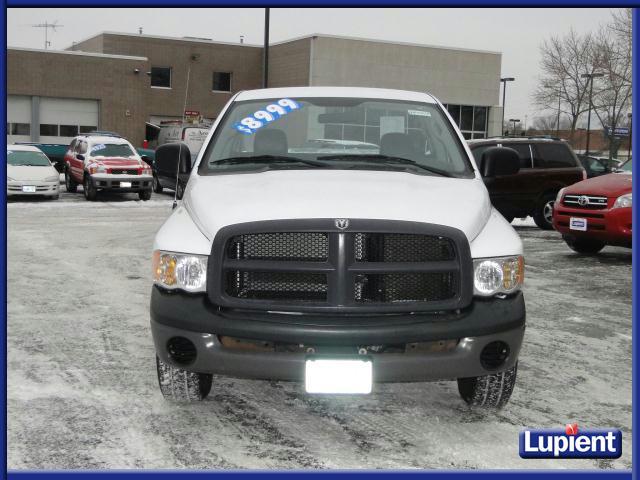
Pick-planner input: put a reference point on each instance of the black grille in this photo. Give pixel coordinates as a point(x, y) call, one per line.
point(399, 247)
point(406, 287)
point(317, 266)
point(117, 171)
point(276, 285)
point(283, 246)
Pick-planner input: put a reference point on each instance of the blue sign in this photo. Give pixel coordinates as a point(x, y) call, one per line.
point(618, 131)
point(569, 443)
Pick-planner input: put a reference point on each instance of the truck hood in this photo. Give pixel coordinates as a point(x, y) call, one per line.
point(120, 162)
point(36, 174)
point(611, 185)
point(217, 201)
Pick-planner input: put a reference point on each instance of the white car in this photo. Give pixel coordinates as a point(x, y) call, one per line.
point(338, 269)
point(30, 172)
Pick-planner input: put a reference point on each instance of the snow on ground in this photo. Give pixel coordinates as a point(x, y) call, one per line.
point(82, 388)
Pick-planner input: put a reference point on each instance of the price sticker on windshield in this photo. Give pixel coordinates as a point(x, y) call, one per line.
point(98, 147)
point(268, 114)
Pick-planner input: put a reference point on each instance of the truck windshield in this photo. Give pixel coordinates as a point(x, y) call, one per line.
point(111, 150)
point(32, 159)
point(336, 133)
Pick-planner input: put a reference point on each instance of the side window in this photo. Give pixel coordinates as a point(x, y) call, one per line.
point(524, 152)
point(553, 155)
point(82, 147)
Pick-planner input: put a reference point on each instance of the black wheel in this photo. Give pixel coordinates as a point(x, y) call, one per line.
point(144, 194)
point(489, 391)
point(156, 185)
point(181, 385)
point(543, 216)
point(69, 183)
point(180, 191)
point(90, 191)
point(584, 246)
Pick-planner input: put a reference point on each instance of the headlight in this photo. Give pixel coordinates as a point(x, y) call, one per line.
point(98, 169)
point(177, 270)
point(623, 201)
point(52, 178)
point(497, 275)
point(559, 196)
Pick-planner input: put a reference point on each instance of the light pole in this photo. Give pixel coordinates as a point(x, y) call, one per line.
point(504, 95)
point(514, 121)
point(558, 119)
point(265, 51)
point(590, 76)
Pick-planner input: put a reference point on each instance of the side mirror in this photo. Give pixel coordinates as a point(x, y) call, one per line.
point(499, 161)
point(80, 156)
point(174, 157)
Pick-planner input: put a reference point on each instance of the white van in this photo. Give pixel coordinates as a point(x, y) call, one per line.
point(292, 259)
point(192, 136)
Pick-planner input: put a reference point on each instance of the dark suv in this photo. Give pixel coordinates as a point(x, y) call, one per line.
point(546, 166)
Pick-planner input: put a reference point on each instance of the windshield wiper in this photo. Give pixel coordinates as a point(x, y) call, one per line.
point(378, 158)
point(269, 159)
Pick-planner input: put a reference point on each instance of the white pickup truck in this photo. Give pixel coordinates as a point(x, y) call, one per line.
point(339, 237)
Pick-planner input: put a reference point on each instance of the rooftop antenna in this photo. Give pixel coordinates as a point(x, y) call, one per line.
point(193, 58)
point(46, 25)
point(241, 39)
point(139, 30)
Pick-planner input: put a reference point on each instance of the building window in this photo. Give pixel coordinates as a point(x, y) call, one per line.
point(221, 82)
point(49, 130)
point(20, 129)
point(68, 130)
point(472, 121)
point(88, 128)
point(161, 77)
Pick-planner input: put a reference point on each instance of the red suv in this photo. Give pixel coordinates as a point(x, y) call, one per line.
point(101, 162)
point(596, 212)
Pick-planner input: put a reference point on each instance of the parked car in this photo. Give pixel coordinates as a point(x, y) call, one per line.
point(30, 172)
point(546, 166)
point(54, 152)
point(338, 269)
point(106, 163)
point(596, 166)
point(596, 212)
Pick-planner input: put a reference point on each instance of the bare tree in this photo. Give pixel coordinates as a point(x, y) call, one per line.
point(612, 57)
point(548, 124)
point(564, 60)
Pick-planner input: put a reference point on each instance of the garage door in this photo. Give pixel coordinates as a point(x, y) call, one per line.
point(18, 118)
point(61, 119)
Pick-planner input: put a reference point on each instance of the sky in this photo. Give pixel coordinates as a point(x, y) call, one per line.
point(516, 32)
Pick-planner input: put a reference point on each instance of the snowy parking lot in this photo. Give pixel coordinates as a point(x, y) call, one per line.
point(83, 393)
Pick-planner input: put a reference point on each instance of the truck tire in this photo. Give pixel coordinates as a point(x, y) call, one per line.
point(543, 216)
point(156, 185)
point(69, 183)
point(144, 195)
point(584, 246)
point(90, 191)
point(489, 391)
point(180, 191)
point(181, 385)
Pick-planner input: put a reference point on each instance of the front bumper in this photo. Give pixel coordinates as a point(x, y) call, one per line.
point(104, 181)
point(176, 314)
point(49, 189)
point(611, 226)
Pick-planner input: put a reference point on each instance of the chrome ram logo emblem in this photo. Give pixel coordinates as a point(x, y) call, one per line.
point(342, 223)
point(583, 200)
